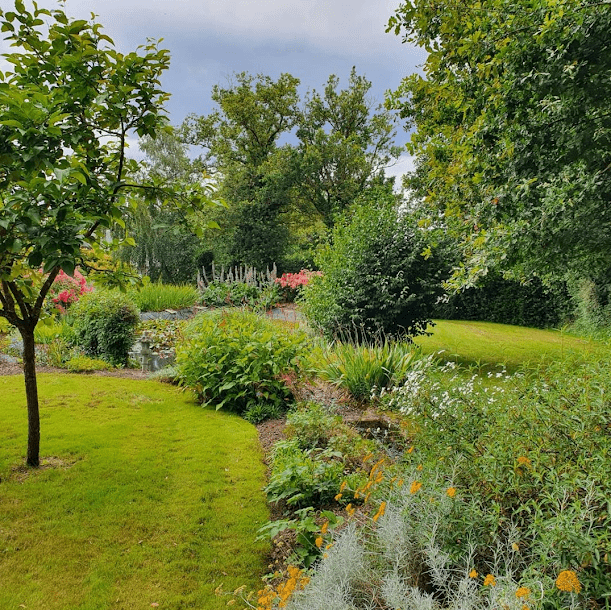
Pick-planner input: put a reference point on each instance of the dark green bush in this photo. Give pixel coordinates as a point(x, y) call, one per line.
point(236, 359)
point(375, 278)
point(105, 323)
point(508, 302)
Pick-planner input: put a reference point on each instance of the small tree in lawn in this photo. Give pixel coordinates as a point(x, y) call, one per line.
point(66, 110)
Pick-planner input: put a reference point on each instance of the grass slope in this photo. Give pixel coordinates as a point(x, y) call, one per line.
point(486, 345)
point(149, 499)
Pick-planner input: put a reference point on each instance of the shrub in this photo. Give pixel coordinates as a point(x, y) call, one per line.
point(85, 364)
point(236, 359)
point(375, 277)
point(240, 294)
point(291, 283)
point(105, 324)
point(67, 290)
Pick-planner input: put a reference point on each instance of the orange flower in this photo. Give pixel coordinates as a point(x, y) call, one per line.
point(523, 461)
point(473, 573)
point(451, 492)
point(490, 580)
point(318, 542)
point(567, 581)
point(338, 497)
point(523, 592)
point(415, 486)
point(325, 527)
point(380, 512)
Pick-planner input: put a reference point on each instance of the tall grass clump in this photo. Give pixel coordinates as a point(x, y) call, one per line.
point(361, 367)
point(237, 360)
point(158, 296)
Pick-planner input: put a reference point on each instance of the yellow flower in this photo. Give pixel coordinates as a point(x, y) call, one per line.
point(567, 581)
point(523, 461)
point(515, 546)
point(523, 592)
point(451, 492)
point(338, 497)
point(473, 573)
point(367, 457)
point(318, 542)
point(380, 512)
point(350, 510)
point(410, 449)
point(325, 527)
point(419, 467)
point(415, 486)
point(490, 580)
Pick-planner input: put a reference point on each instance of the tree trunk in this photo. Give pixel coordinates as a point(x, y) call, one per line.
point(31, 392)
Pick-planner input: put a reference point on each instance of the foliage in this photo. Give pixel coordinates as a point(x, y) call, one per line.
point(344, 146)
point(531, 455)
point(157, 296)
point(85, 364)
point(169, 244)
point(241, 139)
point(312, 425)
point(105, 324)
point(135, 466)
point(375, 276)
point(236, 359)
point(240, 294)
point(305, 477)
point(52, 329)
point(496, 299)
point(162, 335)
point(363, 367)
point(512, 131)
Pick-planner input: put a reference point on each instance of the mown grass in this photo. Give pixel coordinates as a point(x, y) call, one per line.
point(144, 498)
point(487, 346)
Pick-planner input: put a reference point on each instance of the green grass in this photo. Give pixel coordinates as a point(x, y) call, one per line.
point(149, 499)
point(486, 345)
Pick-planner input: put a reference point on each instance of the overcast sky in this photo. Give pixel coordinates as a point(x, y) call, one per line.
point(209, 40)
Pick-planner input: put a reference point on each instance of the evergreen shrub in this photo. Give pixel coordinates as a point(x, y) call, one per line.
point(105, 324)
point(375, 279)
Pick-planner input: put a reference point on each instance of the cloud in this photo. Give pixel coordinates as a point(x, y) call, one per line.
point(404, 164)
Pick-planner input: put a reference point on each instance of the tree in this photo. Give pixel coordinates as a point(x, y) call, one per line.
point(512, 133)
point(241, 142)
point(344, 146)
point(66, 110)
point(168, 238)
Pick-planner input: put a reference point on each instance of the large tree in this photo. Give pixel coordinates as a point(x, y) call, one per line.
point(345, 144)
point(512, 137)
point(67, 106)
point(241, 142)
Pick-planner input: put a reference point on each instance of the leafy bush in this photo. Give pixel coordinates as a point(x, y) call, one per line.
point(508, 302)
point(375, 277)
point(105, 324)
point(359, 368)
point(534, 455)
point(236, 359)
point(85, 364)
point(158, 296)
point(162, 335)
point(49, 329)
point(292, 283)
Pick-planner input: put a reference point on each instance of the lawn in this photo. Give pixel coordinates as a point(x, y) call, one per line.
point(488, 345)
point(144, 499)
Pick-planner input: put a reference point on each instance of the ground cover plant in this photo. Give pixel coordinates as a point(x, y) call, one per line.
point(143, 499)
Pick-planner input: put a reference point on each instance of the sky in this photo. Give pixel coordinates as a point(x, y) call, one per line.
point(210, 40)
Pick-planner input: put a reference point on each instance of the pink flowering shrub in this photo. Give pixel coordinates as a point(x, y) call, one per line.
point(67, 290)
point(291, 283)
